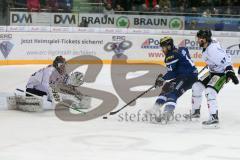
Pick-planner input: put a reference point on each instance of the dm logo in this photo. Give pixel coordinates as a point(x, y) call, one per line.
point(5, 48)
point(123, 22)
point(176, 23)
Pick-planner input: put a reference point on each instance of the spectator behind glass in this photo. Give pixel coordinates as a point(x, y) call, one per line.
point(193, 25)
point(194, 10)
point(43, 4)
point(134, 10)
point(165, 9)
point(119, 9)
point(150, 4)
point(138, 4)
point(33, 5)
point(108, 9)
point(163, 3)
point(206, 13)
point(108, 1)
point(156, 9)
point(20, 4)
point(144, 8)
point(215, 12)
point(181, 9)
point(184, 3)
point(125, 4)
point(66, 5)
point(204, 6)
point(52, 5)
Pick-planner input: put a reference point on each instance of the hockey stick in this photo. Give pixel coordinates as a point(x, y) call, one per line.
point(114, 112)
point(65, 104)
point(34, 95)
point(202, 69)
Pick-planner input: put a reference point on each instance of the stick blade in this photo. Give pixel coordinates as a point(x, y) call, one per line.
point(114, 112)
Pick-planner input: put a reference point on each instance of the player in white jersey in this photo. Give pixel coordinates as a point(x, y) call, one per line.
point(39, 81)
point(220, 72)
point(53, 81)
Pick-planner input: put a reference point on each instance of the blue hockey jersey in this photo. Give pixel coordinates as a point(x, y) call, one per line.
point(179, 64)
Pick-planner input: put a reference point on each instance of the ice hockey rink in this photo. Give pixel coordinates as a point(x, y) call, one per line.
point(38, 136)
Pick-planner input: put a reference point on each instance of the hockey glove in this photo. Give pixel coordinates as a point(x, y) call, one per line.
point(231, 74)
point(159, 81)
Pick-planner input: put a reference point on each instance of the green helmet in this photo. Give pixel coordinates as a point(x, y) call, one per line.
point(165, 41)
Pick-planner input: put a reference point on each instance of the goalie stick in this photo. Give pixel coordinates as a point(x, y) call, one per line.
point(65, 104)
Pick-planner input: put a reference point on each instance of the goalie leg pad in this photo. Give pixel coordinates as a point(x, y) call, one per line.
point(26, 104)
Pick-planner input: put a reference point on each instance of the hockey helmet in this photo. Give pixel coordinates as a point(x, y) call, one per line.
point(59, 63)
point(205, 34)
point(59, 60)
point(165, 41)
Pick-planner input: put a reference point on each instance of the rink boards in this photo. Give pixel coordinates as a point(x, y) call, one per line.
point(39, 45)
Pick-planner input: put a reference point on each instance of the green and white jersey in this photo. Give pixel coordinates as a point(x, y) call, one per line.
point(216, 57)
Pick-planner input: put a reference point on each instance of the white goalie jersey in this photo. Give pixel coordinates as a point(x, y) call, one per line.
point(40, 79)
point(44, 78)
point(216, 57)
point(56, 78)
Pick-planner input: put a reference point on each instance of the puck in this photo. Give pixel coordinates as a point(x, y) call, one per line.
point(105, 117)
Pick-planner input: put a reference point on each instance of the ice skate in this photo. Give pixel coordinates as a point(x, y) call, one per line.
point(195, 114)
point(213, 122)
point(155, 111)
point(166, 117)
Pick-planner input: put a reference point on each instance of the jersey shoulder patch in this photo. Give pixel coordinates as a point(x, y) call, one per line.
point(169, 58)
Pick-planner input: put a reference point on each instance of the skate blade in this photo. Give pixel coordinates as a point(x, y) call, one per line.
point(190, 117)
point(155, 121)
point(211, 126)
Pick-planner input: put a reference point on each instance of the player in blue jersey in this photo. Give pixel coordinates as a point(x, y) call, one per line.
point(180, 76)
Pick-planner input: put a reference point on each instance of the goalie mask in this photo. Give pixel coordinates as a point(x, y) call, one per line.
point(59, 63)
point(75, 79)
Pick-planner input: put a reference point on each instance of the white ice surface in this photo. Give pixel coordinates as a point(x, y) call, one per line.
point(42, 136)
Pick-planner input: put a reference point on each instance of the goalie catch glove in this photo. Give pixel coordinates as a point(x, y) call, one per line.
point(231, 74)
point(75, 79)
point(159, 81)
